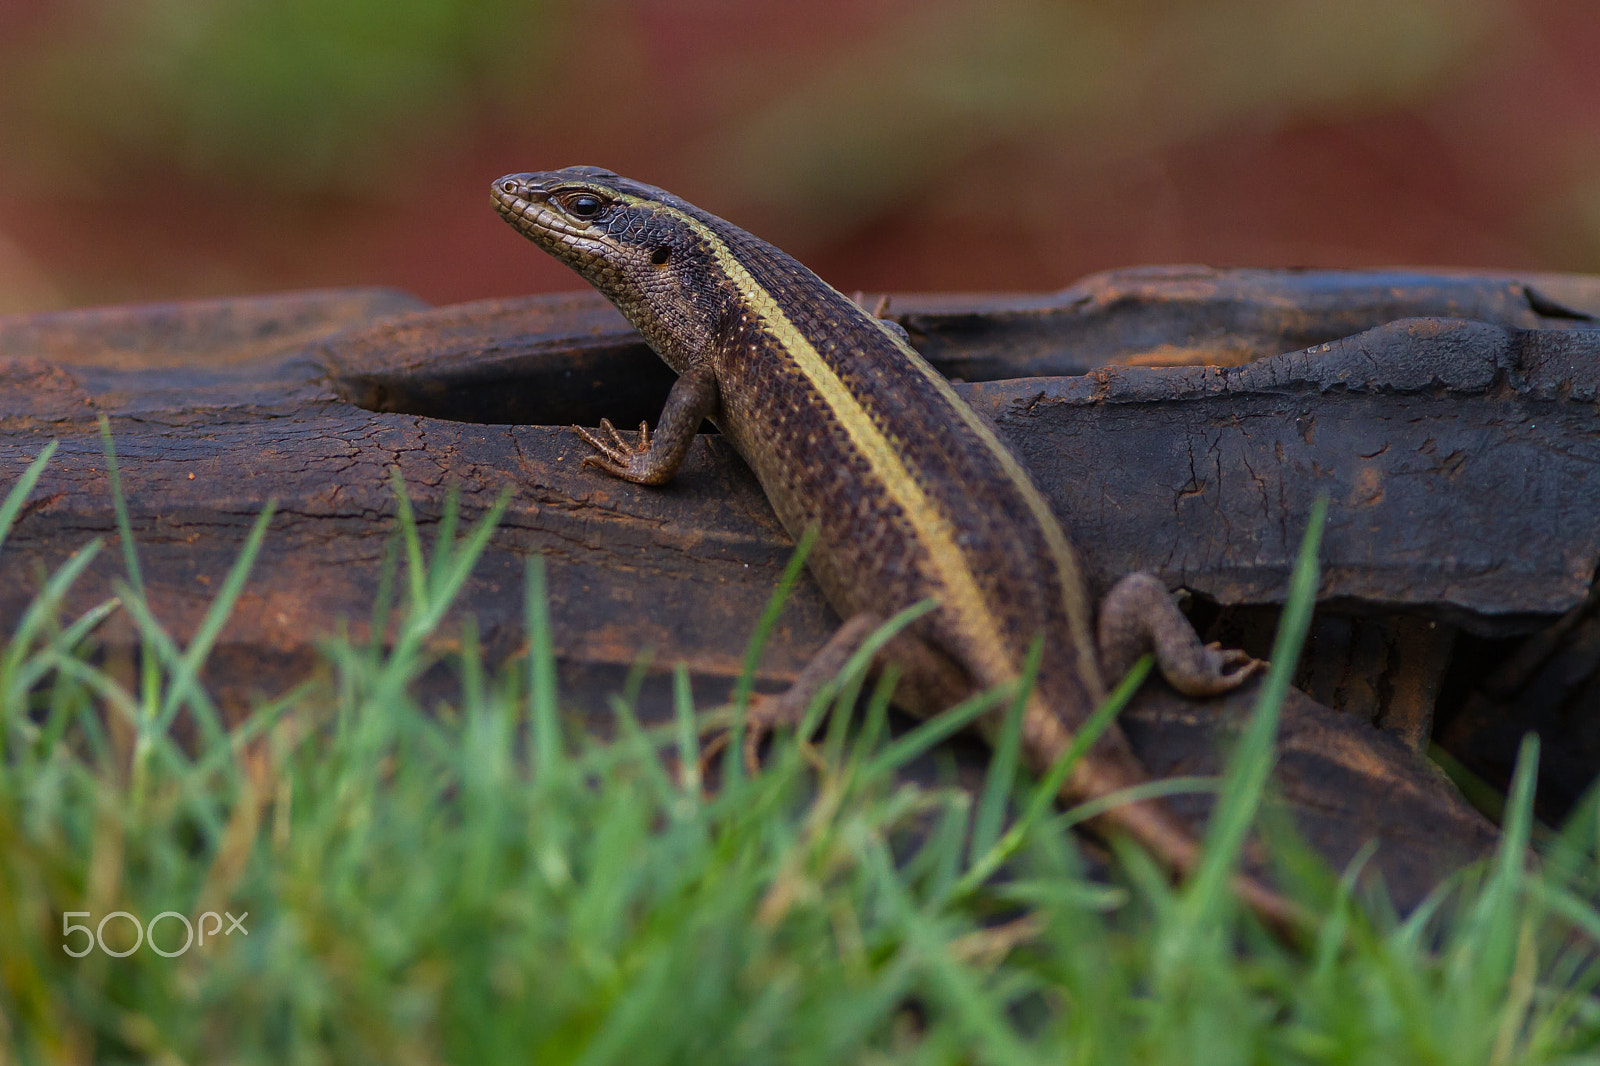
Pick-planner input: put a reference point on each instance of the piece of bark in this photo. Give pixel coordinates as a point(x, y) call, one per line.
point(1460, 460)
point(1547, 683)
point(196, 334)
point(1195, 315)
point(541, 360)
point(1332, 773)
point(1385, 669)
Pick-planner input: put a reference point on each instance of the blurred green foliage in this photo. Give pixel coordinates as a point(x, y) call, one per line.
point(1066, 85)
point(938, 144)
point(322, 95)
point(310, 96)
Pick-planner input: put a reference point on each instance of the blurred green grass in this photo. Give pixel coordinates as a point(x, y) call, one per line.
point(280, 97)
point(303, 96)
point(482, 881)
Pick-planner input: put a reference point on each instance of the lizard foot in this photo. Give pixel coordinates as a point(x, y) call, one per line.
point(1231, 667)
point(1139, 615)
point(617, 456)
point(763, 715)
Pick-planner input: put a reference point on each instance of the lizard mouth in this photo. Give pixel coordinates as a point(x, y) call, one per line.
point(527, 207)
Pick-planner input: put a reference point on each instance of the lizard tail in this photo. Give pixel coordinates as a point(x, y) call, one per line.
point(1112, 767)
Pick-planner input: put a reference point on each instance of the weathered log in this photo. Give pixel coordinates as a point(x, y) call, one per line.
point(1078, 433)
point(1193, 316)
point(1395, 423)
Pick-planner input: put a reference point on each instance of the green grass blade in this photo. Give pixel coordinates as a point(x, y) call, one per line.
point(953, 985)
point(444, 539)
point(733, 758)
point(448, 574)
point(1408, 937)
point(119, 504)
point(1145, 790)
point(383, 600)
point(1580, 912)
point(1491, 933)
point(149, 667)
point(1331, 937)
point(159, 644)
point(642, 750)
point(86, 623)
point(688, 736)
point(1047, 791)
point(40, 612)
point(1003, 763)
point(841, 692)
point(876, 721)
point(940, 727)
point(416, 565)
point(543, 714)
point(184, 679)
point(1251, 762)
point(159, 655)
point(111, 693)
point(1512, 854)
point(937, 862)
point(18, 495)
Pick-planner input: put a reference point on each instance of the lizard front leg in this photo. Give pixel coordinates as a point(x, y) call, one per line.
point(656, 457)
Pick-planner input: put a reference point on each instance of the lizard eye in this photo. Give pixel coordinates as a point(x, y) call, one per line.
point(584, 205)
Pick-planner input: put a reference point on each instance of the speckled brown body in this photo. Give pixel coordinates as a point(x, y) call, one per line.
point(849, 430)
point(870, 554)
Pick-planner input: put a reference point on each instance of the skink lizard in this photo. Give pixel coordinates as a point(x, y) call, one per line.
point(913, 493)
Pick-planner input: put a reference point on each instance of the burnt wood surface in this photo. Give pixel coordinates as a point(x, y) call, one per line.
point(1462, 460)
point(1459, 456)
point(1548, 683)
point(497, 360)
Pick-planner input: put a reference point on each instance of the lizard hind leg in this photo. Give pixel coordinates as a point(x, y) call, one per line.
point(1138, 615)
point(929, 682)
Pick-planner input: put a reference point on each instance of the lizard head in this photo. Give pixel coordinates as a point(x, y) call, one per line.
point(644, 249)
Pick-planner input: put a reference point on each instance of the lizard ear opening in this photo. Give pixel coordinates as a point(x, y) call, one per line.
point(660, 256)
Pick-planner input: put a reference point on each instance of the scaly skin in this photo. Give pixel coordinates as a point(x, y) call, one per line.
point(912, 492)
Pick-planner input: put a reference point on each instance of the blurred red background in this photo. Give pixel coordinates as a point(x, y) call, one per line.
point(154, 149)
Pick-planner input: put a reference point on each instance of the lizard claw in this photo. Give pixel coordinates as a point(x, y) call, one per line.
point(761, 716)
point(617, 455)
point(711, 751)
point(1233, 666)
